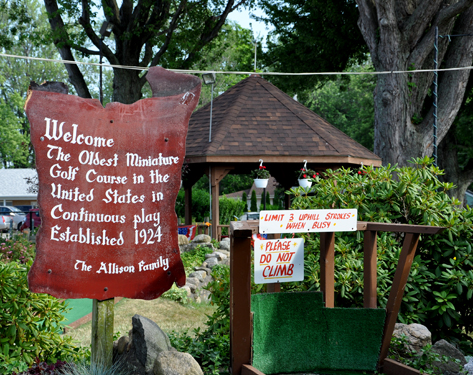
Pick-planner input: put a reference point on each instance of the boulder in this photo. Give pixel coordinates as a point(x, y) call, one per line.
point(176, 363)
point(220, 256)
point(201, 238)
point(211, 262)
point(224, 244)
point(182, 240)
point(469, 366)
point(417, 335)
point(444, 348)
point(199, 275)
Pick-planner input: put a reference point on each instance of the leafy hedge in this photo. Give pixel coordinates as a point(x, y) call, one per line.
point(29, 323)
point(440, 286)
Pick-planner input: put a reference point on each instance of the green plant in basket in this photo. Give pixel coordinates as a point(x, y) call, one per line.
point(304, 173)
point(261, 173)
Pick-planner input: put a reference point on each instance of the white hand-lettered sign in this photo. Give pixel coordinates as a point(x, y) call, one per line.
point(307, 221)
point(279, 260)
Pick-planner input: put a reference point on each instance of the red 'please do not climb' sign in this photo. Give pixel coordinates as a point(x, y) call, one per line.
point(108, 181)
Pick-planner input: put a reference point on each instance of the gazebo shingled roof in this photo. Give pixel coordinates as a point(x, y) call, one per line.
point(255, 120)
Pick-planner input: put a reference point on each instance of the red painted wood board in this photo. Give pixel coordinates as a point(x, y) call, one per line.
point(108, 181)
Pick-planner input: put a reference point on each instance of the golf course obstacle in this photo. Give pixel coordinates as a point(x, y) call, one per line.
point(288, 332)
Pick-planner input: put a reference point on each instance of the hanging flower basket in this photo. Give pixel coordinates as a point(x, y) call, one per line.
point(305, 177)
point(305, 182)
point(261, 182)
point(261, 176)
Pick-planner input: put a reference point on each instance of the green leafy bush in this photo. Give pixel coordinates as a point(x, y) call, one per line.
point(211, 348)
point(18, 249)
point(29, 323)
point(440, 286)
point(426, 360)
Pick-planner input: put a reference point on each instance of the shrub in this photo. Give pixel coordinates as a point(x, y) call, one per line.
point(253, 202)
point(230, 210)
point(440, 287)
point(211, 348)
point(244, 199)
point(29, 323)
point(18, 249)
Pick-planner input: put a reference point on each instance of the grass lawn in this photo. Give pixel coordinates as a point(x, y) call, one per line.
point(167, 314)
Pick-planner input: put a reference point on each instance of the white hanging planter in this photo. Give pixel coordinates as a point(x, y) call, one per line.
point(261, 182)
point(305, 183)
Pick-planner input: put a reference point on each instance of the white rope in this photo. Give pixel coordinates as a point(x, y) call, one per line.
point(232, 72)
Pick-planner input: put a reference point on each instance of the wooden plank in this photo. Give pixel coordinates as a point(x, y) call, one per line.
point(240, 297)
point(322, 159)
point(102, 332)
point(243, 228)
point(398, 228)
point(391, 367)
point(250, 370)
point(327, 267)
point(370, 270)
point(188, 205)
point(273, 288)
point(397, 289)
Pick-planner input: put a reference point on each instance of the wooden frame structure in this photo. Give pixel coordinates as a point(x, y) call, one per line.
point(240, 278)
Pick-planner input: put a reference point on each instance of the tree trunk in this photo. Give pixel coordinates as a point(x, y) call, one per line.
point(126, 86)
point(448, 161)
point(400, 37)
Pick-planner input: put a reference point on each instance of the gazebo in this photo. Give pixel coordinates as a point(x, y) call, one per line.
point(255, 120)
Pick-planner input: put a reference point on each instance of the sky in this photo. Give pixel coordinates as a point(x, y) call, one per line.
point(243, 18)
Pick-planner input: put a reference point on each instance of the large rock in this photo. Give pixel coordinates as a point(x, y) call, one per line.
point(182, 240)
point(146, 341)
point(224, 244)
point(176, 363)
point(201, 238)
point(443, 348)
point(417, 335)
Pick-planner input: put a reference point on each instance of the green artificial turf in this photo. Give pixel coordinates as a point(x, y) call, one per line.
point(294, 332)
point(78, 309)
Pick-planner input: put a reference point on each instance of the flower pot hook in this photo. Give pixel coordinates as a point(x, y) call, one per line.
point(305, 164)
point(261, 162)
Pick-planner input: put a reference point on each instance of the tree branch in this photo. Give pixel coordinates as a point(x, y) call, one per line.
point(207, 38)
point(84, 21)
point(61, 40)
point(171, 29)
point(420, 19)
point(368, 24)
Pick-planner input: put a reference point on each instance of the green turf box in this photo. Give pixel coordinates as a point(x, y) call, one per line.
point(294, 332)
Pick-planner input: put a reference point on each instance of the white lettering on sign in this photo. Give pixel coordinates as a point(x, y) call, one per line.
point(55, 133)
point(307, 221)
point(279, 260)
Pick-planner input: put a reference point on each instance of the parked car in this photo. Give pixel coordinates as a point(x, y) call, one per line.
point(17, 215)
point(25, 209)
point(36, 219)
point(250, 216)
point(5, 221)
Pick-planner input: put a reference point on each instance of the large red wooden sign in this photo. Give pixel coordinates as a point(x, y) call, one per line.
point(108, 181)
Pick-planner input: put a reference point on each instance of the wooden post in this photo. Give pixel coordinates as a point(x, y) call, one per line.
point(397, 290)
point(370, 270)
point(188, 205)
point(240, 295)
point(327, 267)
point(102, 332)
point(217, 175)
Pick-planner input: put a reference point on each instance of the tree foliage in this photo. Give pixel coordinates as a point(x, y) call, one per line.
point(253, 202)
point(439, 291)
point(21, 23)
point(311, 36)
point(347, 103)
point(399, 36)
point(143, 33)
